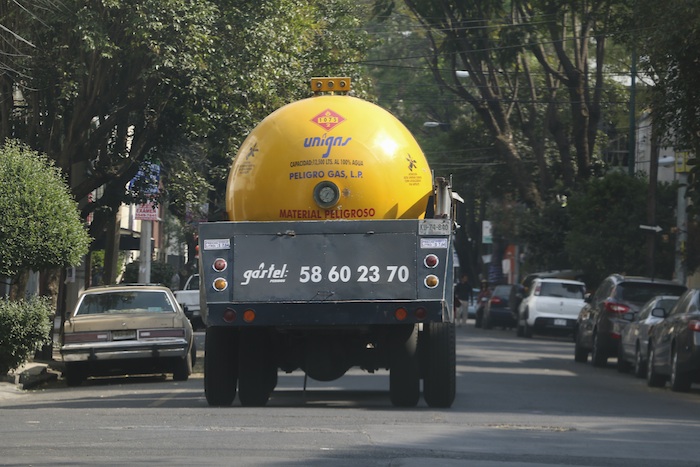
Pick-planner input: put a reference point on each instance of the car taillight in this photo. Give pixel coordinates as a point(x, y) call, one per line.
point(157, 333)
point(618, 308)
point(694, 325)
point(496, 300)
point(81, 337)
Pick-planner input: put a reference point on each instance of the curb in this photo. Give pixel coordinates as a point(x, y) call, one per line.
point(30, 375)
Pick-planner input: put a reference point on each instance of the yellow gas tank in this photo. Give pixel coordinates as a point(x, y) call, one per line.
point(329, 157)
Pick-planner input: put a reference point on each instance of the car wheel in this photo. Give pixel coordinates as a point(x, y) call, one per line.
point(580, 352)
point(183, 367)
point(680, 381)
point(527, 330)
point(654, 379)
point(640, 369)
point(488, 323)
point(404, 373)
point(623, 366)
point(74, 374)
point(598, 357)
point(477, 320)
point(519, 330)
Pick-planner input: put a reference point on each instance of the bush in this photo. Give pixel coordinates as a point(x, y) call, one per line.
point(25, 326)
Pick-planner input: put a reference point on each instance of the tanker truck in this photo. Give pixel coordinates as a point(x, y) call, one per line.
point(337, 253)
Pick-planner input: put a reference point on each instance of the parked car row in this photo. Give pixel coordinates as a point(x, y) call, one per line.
point(607, 311)
point(651, 326)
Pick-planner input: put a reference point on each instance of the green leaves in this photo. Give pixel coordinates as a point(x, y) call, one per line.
point(39, 222)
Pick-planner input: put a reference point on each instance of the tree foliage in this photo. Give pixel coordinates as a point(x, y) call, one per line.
point(39, 222)
point(605, 236)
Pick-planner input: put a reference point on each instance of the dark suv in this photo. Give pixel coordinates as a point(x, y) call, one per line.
point(600, 321)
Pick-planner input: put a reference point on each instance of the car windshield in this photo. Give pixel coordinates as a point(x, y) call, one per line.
point(125, 302)
point(642, 292)
point(560, 289)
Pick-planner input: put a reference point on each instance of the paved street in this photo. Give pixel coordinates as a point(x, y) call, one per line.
point(519, 402)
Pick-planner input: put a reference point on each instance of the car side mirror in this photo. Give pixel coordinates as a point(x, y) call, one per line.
point(658, 312)
point(587, 298)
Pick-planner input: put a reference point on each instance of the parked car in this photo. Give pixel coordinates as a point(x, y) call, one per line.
point(188, 298)
point(552, 305)
point(634, 340)
point(600, 321)
point(127, 329)
point(497, 310)
point(674, 345)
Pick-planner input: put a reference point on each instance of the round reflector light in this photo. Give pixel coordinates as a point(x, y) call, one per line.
point(249, 316)
point(219, 264)
point(229, 315)
point(431, 260)
point(220, 284)
point(431, 281)
point(421, 313)
point(400, 314)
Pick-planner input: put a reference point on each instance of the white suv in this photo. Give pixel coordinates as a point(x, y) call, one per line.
point(551, 305)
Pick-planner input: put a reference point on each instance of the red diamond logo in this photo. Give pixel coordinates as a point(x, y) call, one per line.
point(328, 119)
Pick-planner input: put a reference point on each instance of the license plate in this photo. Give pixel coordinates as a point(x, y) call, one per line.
point(560, 322)
point(123, 335)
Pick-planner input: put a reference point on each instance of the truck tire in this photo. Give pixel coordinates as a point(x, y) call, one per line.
point(404, 373)
point(220, 365)
point(439, 380)
point(257, 376)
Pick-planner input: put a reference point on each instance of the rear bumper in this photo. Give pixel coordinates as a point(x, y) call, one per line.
point(130, 350)
point(320, 313)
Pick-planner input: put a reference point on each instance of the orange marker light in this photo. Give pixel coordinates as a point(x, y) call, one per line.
point(400, 314)
point(249, 316)
point(220, 284)
point(431, 281)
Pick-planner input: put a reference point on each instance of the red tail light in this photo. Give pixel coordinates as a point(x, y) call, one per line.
point(618, 308)
point(694, 325)
point(496, 300)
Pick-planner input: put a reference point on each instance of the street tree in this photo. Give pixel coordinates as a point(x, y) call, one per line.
point(40, 227)
point(527, 71)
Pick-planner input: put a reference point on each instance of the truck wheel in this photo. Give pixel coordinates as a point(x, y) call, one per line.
point(73, 374)
point(404, 373)
point(220, 365)
point(439, 380)
point(256, 373)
